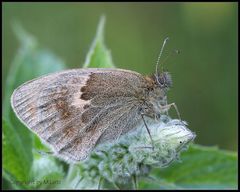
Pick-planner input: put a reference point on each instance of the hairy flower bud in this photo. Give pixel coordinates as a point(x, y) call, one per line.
point(133, 155)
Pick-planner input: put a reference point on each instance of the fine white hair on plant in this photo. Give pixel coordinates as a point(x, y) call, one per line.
point(133, 156)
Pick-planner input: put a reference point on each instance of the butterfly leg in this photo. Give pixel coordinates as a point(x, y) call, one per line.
point(148, 131)
point(168, 106)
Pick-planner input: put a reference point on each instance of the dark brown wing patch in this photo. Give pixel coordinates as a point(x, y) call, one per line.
point(111, 85)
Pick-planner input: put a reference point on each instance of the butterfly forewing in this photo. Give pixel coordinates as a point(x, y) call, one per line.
point(74, 110)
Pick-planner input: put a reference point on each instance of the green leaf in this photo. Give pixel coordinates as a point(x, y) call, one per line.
point(46, 173)
point(10, 182)
point(16, 163)
point(99, 56)
point(201, 168)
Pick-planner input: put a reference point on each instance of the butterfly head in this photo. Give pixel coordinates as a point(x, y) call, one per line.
point(163, 80)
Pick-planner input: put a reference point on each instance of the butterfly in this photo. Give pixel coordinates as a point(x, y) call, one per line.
point(75, 110)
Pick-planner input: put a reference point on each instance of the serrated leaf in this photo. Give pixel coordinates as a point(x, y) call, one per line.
point(201, 168)
point(99, 56)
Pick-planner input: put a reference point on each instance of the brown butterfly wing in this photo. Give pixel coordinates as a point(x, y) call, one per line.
point(74, 110)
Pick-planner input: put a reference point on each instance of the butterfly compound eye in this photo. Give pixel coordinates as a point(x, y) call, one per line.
point(167, 79)
point(162, 81)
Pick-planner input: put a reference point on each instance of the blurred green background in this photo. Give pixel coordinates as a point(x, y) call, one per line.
point(204, 73)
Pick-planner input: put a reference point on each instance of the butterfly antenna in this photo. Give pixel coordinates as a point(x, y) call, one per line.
point(160, 54)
